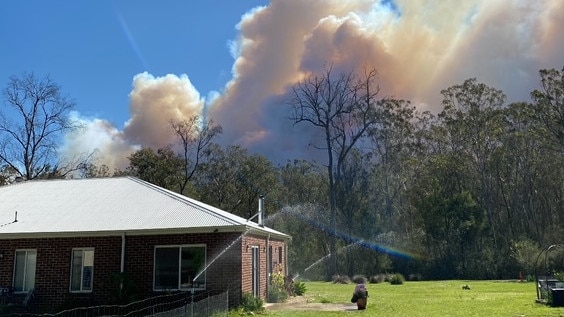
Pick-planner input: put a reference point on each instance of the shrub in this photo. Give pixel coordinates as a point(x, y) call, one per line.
point(251, 303)
point(277, 292)
point(379, 278)
point(299, 288)
point(277, 295)
point(359, 279)
point(341, 279)
point(396, 279)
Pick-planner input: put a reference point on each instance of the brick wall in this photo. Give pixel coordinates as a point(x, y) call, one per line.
point(52, 276)
point(228, 266)
point(264, 255)
point(223, 260)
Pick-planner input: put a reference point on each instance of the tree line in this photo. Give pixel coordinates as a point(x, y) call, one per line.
point(474, 191)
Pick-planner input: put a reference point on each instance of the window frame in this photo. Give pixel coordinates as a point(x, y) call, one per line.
point(82, 266)
point(25, 271)
point(179, 247)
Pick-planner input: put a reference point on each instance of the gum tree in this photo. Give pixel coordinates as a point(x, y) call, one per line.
point(341, 107)
point(34, 117)
point(549, 108)
point(194, 136)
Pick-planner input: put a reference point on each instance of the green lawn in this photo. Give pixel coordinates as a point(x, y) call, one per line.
point(432, 298)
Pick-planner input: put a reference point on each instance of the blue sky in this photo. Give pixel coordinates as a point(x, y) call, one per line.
point(93, 49)
point(133, 65)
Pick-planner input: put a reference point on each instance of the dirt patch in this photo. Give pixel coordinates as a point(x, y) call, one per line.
point(305, 303)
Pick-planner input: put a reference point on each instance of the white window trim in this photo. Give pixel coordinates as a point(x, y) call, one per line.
point(81, 271)
point(25, 269)
point(179, 246)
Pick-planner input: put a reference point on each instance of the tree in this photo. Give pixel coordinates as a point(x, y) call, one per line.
point(357, 217)
point(36, 115)
point(392, 141)
point(342, 107)
point(473, 119)
point(233, 179)
point(303, 182)
point(162, 168)
point(90, 170)
point(550, 106)
point(195, 136)
point(524, 174)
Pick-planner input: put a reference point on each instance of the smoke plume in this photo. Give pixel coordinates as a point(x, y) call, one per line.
point(419, 47)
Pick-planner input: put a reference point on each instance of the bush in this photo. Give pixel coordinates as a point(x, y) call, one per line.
point(251, 303)
point(277, 292)
point(396, 279)
point(341, 279)
point(277, 295)
point(299, 288)
point(360, 279)
point(377, 278)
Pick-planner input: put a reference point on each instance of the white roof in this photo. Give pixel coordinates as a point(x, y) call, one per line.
point(109, 206)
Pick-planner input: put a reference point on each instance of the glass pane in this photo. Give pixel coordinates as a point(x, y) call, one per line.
point(76, 270)
point(19, 271)
point(87, 270)
point(89, 258)
point(166, 268)
point(30, 270)
point(193, 263)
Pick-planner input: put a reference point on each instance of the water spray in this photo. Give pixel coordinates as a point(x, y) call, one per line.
point(218, 256)
point(359, 242)
point(192, 291)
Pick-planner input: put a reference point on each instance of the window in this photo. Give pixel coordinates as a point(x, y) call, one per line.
point(24, 270)
point(280, 255)
point(82, 269)
point(180, 267)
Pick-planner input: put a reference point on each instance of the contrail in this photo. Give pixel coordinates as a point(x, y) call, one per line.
point(131, 40)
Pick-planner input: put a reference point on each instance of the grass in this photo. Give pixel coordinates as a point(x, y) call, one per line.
point(432, 298)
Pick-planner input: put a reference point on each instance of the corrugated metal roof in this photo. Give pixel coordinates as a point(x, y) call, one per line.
point(108, 205)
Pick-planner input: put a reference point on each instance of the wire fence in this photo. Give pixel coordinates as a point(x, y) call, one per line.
point(216, 306)
point(173, 305)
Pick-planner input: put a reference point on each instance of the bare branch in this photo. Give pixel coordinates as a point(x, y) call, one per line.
point(195, 135)
point(35, 117)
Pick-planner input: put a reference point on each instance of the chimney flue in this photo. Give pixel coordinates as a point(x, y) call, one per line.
point(261, 211)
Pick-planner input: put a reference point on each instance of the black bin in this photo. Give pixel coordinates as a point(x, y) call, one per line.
point(557, 295)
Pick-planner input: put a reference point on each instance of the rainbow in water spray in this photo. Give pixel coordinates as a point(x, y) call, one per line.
point(353, 240)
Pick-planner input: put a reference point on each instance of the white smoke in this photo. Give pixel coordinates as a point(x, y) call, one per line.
point(154, 102)
point(419, 47)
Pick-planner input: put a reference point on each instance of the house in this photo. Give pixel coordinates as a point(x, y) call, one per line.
point(67, 241)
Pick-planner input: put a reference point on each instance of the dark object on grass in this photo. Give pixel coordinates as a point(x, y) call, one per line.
point(360, 296)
